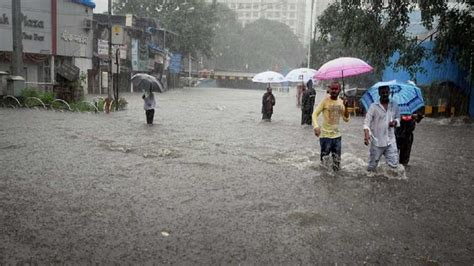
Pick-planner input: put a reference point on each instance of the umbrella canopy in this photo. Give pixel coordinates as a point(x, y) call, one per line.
point(300, 75)
point(269, 77)
point(407, 95)
point(342, 67)
point(145, 82)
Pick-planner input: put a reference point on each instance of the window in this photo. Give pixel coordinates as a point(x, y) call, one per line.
point(292, 6)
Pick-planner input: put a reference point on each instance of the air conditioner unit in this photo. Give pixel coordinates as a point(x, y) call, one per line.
point(87, 24)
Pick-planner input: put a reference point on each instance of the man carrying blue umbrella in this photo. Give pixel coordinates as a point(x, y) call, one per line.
point(379, 130)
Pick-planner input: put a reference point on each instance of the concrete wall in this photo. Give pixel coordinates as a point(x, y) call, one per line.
point(73, 38)
point(83, 64)
point(36, 26)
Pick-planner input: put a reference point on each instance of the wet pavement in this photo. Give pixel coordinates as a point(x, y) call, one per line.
point(210, 183)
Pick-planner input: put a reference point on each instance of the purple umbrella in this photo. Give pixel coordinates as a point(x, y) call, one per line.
point(342, 67)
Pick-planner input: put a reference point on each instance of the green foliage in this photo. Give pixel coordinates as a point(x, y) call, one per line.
point(30, 92)
point(47, 97)
point(99, 103)
point(373, 32)
point(82, 107)
point(122, 104)
point(377, 30)
point(193, 21)
point(59, 105)
point(261, 45)
point(267, 44)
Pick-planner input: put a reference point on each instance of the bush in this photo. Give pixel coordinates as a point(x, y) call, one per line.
point(47, 97)
point(30, 92)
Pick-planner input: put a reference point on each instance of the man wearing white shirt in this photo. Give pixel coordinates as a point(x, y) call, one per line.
point(379, 130)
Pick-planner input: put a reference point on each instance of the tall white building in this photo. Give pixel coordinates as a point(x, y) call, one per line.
point(290, 12)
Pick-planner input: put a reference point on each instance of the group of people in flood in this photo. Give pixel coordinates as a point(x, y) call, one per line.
point(386, 132)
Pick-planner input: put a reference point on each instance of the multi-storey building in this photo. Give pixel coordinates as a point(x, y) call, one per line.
point(290, 12)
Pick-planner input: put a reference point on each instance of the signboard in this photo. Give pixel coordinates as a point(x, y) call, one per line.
point(134, 54)
point(68, 71)
point(175, 63)
point(103, 49)
point(117, 34)
point(36, 27)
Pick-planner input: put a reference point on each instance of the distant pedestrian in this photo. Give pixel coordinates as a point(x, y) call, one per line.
point(404, 136)
point(268, 101)
point(379, 130)
point(307, 103)
point(149, 106)
point(330, 137)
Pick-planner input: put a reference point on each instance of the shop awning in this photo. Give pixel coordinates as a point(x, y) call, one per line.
point(88, 3)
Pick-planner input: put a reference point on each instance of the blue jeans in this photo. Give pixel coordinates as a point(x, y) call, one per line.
point(333, 146)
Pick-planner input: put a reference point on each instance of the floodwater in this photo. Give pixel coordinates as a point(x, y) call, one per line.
point(210, 183)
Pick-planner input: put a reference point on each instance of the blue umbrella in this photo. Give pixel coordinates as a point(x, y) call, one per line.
point(407, 95)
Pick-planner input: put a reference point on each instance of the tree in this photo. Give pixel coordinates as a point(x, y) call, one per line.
point(226, 46)
point(377, 30)
point(268, 44)
point(192, 20)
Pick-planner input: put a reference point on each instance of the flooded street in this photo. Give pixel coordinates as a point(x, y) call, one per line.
point(210, 183)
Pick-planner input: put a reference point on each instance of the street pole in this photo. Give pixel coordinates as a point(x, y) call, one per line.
point(189, 67)
point(310, 34)
point(109, 76)
point(16, 83)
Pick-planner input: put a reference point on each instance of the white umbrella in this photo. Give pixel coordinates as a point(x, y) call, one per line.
point(301, 75)
point(269, 77)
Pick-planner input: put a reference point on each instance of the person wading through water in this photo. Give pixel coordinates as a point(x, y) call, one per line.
point(329, 134)
point(307, 103)
point(268, 101)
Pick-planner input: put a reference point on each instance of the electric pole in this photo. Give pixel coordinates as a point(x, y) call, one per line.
point(16, 83)
point(109, 76)
point(310, 34)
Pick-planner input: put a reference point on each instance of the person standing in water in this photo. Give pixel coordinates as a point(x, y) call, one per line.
point(404, 135)
point(379, 130)
point(329, 134)
point(149, 106)
point(268, 101)
point(307, 103)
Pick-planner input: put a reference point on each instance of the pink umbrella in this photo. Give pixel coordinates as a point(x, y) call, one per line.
point(342, 67)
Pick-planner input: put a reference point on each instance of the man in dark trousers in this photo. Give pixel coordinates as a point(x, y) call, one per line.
point(268, 101)
point(404, 135)
point(307, 103)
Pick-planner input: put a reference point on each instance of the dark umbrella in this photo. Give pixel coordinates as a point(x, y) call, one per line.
point(147, 82)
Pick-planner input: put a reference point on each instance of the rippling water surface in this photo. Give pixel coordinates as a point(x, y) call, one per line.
point(211, 183)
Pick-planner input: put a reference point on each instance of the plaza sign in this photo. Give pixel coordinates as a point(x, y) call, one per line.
point(77, 38)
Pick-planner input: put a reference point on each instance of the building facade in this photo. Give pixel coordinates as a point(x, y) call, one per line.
point(55, 33)
point(290, 12)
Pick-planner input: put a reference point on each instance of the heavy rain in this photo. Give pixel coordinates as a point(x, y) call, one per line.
point(176, 159)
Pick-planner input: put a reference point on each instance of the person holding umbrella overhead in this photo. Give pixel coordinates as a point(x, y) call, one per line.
point(329, 135)
point(149, 106)
point(268, 101)
point(147, 84)
point(410, 101)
